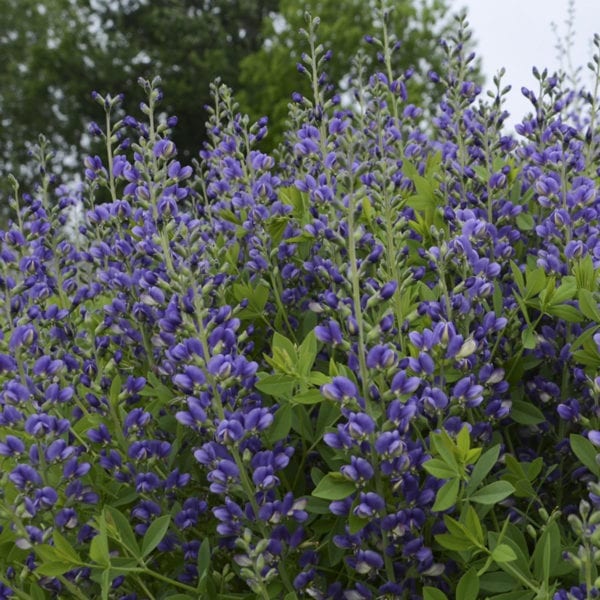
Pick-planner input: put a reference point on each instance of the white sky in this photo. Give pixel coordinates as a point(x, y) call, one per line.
point(517, 35)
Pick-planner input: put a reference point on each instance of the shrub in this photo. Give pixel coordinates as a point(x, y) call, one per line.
point(365, 367)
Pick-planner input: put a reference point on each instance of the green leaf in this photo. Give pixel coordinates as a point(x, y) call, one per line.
point(451, 542)
point(585, 452)
point(278, 386)
point(308, 397)
point(334, 487)
point(119, 528)
point(282, 423)
point(482, 467)
point(565, 311)
point(588, 306)
point(547, 553)
point(528, 338)
point(492, 493)
point(431, 593)
point(473, 524)
point(204, 556)
point(526, 413)
point(99, 544)
point(536, 282)
point(438, 468)
point(53, 569)
point(503, 553)
point(155, 534)
point(445, 447)
point(280, 342)
point(496, 582)
point(317, 378)
point(447, 495)
point(468, 586)
point(64, 548)
point(525, 222)
point(307, 352)
point(115, 390)
point(518, 277)
point(463, 441)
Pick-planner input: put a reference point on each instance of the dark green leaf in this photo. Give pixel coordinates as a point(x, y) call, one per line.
point(282, 423)
point(204, 555)
point(585, 452)
point(526, 413)
point(547, 553)
point(497, 582)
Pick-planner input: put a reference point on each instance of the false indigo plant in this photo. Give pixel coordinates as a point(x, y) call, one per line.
point(363, 367)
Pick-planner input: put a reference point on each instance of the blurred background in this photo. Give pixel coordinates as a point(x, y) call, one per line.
point(53, 53)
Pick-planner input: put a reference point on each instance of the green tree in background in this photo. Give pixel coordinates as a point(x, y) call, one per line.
point(269, 76)
point(55, 52)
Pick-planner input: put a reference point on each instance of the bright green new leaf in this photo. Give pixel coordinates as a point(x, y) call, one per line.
point(503, 553)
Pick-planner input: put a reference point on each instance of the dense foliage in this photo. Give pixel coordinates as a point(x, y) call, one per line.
point(55, 52)
point(365, 369)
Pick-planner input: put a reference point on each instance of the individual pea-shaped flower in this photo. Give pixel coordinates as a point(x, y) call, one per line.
point(402, 384)
point(341, 389)
point(369, 506)
point(365, 561)
point(381, 357)
point(230, 431)
point(359, 470)
point(330, 333)
point(12, 446)
point(360, 425)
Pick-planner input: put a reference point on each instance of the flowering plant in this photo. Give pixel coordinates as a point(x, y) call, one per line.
point(363, 367)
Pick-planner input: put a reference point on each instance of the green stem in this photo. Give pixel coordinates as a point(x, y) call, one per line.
point(109, 156)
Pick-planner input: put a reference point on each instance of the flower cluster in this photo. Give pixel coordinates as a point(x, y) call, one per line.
point(363, 367)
